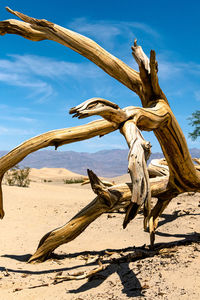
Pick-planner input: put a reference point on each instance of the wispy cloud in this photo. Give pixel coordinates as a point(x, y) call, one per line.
point(193, 144)
point(38, 74)
point(49, 67)
point(168, 70)
point(143, 27)
point(107, 31)
point(15, 74)
point(18, 119)
point(103, 31)
point(170, 67)
point(179, 78)
point(197, 95)
point(42, 67)
point(14, 131)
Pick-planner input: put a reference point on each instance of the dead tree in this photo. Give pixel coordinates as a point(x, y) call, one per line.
point(176, 175)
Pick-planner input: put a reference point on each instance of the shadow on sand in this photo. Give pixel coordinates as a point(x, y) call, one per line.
point(131, 284)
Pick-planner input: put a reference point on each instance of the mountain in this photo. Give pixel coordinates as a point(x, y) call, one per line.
point(108, 163)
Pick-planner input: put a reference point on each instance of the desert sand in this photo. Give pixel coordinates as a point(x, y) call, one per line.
point(52, 175)
point(31, 212)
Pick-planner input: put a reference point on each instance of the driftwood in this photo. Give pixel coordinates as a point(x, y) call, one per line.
point(168, 178)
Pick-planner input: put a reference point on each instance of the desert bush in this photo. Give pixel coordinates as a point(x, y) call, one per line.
point(47, 180)
point(17, 176)
point(69, 181)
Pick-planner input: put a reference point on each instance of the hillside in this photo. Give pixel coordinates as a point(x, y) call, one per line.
point(108, 163)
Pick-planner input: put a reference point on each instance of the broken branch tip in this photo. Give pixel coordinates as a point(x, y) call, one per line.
point(135, 42)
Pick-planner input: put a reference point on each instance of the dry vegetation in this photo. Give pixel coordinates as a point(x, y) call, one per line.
point(18, 176)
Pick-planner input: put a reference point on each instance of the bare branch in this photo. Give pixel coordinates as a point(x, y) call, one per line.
point(61, 137)
point(79, 275)
point(156, 115)
point(140, 57)
point(52, 138)
point(98, 106)
point(159, 118)
point(148, 75)
point(145, 118)
point(138, 154)
point(197, 160)
point(120, 197)
point(101, 190)
point(158, 167)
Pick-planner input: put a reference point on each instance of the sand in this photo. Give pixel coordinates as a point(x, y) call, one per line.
point(52, 174)
point(32, 212)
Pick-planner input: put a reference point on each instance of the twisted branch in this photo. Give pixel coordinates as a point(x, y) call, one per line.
point(109, 199)
point(54, 138)
point(155, 115)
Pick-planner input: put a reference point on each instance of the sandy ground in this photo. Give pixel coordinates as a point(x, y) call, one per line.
point(52, 175)
point(32, 212)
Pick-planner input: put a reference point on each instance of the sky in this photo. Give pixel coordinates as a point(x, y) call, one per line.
point(41, 81)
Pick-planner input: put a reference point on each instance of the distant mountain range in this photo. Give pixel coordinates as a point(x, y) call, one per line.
point(108, 163)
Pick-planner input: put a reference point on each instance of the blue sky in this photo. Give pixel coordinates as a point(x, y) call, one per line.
point(40, 81)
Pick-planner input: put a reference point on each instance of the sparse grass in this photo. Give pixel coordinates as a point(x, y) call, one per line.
point(18, 177)
point(70, 181)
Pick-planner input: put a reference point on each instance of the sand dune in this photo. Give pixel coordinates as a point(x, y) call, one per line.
point(121, 179)
point(54, 174)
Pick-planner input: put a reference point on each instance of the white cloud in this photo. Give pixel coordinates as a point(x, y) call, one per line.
point(103, 31)
point(193, 144)
point(18, 119)
point(45, 67)
point(14, 131)
point(168, 70)
point(38, 73)
point(197, 95)
point(106, 31)
point(169, 66)
point(144, 27)
point(12, 74)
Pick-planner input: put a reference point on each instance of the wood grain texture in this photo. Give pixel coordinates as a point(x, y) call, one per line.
point(138, 155)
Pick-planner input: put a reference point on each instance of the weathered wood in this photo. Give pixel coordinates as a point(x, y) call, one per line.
point(60, 137)
point(54, 138)
point(183, 174)
point(102, 107)
point(138, 155)
point(79, 275)
point(158, 167)
point(155, 116)
point(145, 84)
point(107, 200)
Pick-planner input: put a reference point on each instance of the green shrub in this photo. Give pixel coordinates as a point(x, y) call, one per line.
point(47, 180)
point(18, 177)
point(70, 181)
